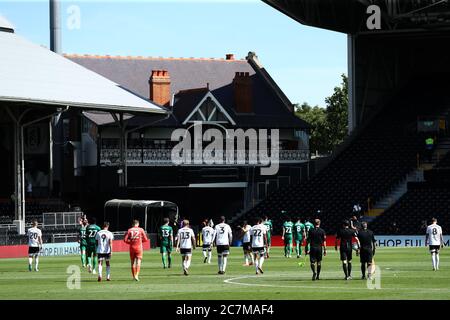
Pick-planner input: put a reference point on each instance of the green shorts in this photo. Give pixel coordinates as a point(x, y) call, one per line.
point(165, 248)
point(269, 240)
point(90, 249)
point(298, 239)
point(287, 240)
point(83, 246)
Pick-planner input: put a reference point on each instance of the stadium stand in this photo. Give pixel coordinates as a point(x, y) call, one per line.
point(445, 162)
point(377, 160)
point(415, 206)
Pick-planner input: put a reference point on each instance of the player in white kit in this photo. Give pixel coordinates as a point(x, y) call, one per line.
point(104, 240)
point(34, 245)
point(185, 244)
point(208, 234)
point(258, 235)
point(246, 243)
point(435, 240)
point(223, 239)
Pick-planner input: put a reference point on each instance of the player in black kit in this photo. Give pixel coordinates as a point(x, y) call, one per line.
point(316, 243)
point(346, 235)
point(367, 250)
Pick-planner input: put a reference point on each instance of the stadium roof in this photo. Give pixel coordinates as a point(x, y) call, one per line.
point(349, 16)
point(33, 74)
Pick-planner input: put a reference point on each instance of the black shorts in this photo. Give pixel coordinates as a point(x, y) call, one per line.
point(366, 255)
point(223, 249)
point(206, 247)
point(346, 253)
point(247, 246)
point(435, 249)
point(106, 256)
point(259, 250)
point(185, 251)
point(315, 254)
point(33, 250)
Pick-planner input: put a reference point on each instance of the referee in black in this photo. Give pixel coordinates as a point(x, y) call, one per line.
point(317, 242)
point(346, 235)
point(367, 250)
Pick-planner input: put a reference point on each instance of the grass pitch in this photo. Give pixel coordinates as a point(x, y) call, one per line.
point(404, 273)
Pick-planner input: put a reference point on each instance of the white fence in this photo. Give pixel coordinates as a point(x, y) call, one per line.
point(163, 157)
point(60, 219)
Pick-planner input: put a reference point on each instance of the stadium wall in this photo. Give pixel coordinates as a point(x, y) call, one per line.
point(73, 248)
point(58, 249)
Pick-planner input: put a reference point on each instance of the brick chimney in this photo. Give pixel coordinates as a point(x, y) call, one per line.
point(243, 93)
point(229, 56)
point(160, 87)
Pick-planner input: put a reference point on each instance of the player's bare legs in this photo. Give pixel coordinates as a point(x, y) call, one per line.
point(108, 270)
point(30, 262)
point(219, 262)
point(205, 255)
point(100, 269)
point(133, 271)
point(259, 260)
point(36, 262)
point(437, 260)
point(186, 263)
point(249, 260)
point(137, 268)
point(224, 262)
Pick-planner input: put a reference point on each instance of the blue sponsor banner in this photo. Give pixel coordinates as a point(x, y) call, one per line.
point(405, 241)
point(60, 249)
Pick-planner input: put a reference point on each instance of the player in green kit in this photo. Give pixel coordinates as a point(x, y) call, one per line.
point(166, 242)
point(287, 237)
point(308, 226)
point(82, 239)
point(91, 248)
point(299, 235)
point(268, 224)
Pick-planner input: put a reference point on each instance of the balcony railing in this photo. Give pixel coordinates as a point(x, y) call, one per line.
point(163, 157)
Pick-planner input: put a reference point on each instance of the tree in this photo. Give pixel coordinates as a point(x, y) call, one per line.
point(316, 117)
point(328, 125)
point(337, 114)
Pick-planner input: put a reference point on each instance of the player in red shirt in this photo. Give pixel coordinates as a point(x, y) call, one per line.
point(135, 236)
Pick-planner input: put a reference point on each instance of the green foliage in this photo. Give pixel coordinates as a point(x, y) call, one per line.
point(316, 117)
point(329, 126)
point(337, 114)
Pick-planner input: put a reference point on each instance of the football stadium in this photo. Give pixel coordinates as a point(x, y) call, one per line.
point(161, 178)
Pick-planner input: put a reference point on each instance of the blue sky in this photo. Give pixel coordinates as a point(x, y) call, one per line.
point(306, 62)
